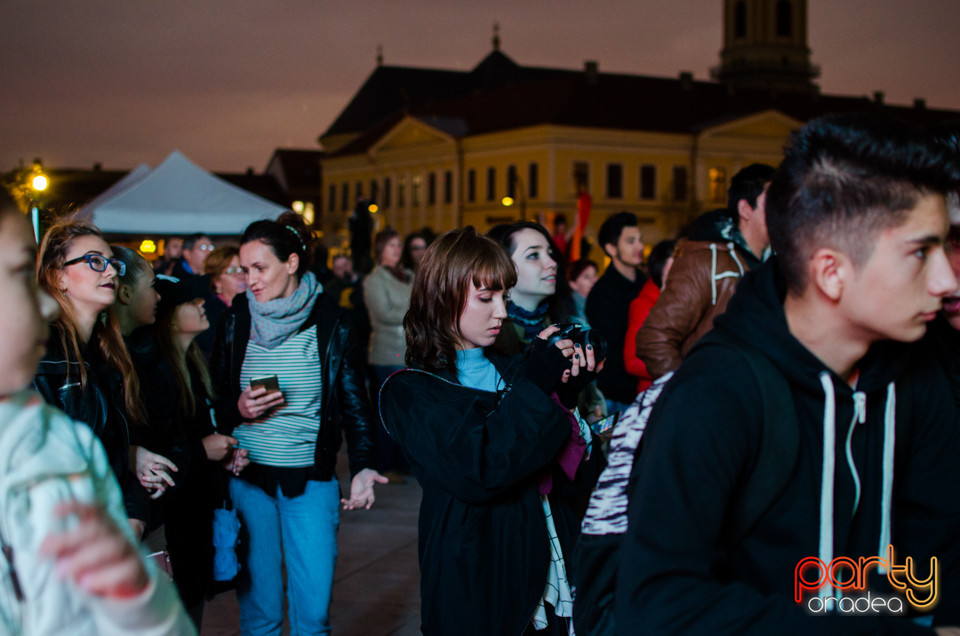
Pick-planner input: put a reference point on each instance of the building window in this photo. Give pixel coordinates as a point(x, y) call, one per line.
point(679, 183)
point(784, 19)
point(512, 182)
point(614, 181)
point(718, 184)
point(374, 190)
point(431, 188)
point(415, 191)
point(740, 20)
point(345, 196)
point(448, 186)
point(386, 192)
point(471, 185)
point(491, 184)
point(332, 198)
point(581, 176)
point(358, 188)
point(533, 180)
point(648, 182)
point(401, 192)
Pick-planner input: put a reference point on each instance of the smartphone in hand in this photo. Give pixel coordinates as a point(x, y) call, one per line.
point(269, 382)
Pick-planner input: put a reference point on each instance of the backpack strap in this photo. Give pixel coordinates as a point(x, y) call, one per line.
point(780, 437)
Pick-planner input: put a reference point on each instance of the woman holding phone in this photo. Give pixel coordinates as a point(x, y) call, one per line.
point(489, 442)
point(288, 496)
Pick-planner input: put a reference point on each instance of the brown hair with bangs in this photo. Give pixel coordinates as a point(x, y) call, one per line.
point(440, 290)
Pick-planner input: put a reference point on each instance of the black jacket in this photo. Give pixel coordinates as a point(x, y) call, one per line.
point(483, 544)
point(344, 404)
point(608, 311)
point(186, 509)
point(99, 404)
point(680, 571)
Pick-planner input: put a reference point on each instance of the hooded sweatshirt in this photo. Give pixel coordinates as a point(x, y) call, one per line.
point(876, 465)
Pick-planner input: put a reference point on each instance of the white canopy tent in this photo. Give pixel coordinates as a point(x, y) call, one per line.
point(177, 197)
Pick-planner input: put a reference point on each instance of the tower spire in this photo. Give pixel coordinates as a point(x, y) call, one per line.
point(379, 55)
point(496, 36)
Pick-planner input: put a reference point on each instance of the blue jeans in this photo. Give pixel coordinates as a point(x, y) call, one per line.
point(304, 530)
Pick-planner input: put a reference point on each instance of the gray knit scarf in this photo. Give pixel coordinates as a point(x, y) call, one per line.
point(272, 322)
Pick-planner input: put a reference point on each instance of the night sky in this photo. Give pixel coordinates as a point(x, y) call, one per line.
point(226, 82)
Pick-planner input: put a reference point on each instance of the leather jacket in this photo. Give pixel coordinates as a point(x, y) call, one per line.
point(98, 403)
point(344, 403)
point(700, 284)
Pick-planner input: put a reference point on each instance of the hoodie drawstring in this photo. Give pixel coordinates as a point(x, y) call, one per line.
point(859, 417)
point(828, 473)
point(889, 440)
point(827, 478)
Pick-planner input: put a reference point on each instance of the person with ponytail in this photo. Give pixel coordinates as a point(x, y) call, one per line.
point(87, 371)
point(289, 379)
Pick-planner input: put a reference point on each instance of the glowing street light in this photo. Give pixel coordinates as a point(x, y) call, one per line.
point(39, 183)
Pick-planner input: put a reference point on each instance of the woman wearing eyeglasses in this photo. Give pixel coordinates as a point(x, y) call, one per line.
point(226, 281)
point(87, 372)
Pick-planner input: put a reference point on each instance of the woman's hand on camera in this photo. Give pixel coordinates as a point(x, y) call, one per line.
point(255, 402)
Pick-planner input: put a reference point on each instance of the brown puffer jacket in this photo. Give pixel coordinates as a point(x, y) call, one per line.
point(701, 282)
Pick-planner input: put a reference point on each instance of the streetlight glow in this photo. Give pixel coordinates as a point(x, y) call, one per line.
point(148, 247)
point(507, 201)
point(39, 183)
point(373, 208)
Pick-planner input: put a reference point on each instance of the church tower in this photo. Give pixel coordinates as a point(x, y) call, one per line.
point(765, 46)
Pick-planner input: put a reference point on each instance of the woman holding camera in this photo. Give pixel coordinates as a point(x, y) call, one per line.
point(286, 333)
point(487, 439)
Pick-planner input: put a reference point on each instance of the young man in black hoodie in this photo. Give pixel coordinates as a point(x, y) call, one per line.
point(857, 218)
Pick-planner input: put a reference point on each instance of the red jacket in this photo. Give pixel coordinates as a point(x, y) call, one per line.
point(639, 310)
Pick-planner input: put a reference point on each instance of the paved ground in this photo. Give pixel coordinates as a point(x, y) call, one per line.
point(376, 589)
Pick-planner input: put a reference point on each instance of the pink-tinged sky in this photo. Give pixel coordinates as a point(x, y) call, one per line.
point(227, 81)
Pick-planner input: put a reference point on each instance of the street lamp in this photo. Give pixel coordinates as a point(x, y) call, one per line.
point(38, 182)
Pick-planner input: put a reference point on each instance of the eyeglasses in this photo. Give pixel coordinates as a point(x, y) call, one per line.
point(204, 247)
point(233, 271)
point(98, 263)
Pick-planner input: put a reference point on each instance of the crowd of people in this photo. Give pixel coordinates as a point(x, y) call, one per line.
point(750, 428)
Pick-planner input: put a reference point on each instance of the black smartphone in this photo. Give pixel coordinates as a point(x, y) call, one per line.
point(269, 382)
point(602, 426)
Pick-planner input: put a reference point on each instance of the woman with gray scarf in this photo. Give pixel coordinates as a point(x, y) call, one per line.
point(289, 376)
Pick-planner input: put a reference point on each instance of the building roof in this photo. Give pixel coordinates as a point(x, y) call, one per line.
point(296, 169)
point(501, 95)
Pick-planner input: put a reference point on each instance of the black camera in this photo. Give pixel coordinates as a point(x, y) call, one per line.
point(581, 336)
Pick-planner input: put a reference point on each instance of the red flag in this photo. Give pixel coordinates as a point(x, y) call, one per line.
point(583, 215)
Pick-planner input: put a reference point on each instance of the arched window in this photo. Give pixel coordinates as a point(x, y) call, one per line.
point(740, 20)
point(784, 19)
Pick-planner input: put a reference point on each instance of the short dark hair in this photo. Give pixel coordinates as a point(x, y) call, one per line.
point(612, 228)
point(285, 236)
point(579, 266)
point(193, 239)
point(657, 261)
point(748, 184)
point(845, 178)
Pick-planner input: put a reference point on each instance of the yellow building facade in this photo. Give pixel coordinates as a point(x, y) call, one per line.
point(419, 175)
